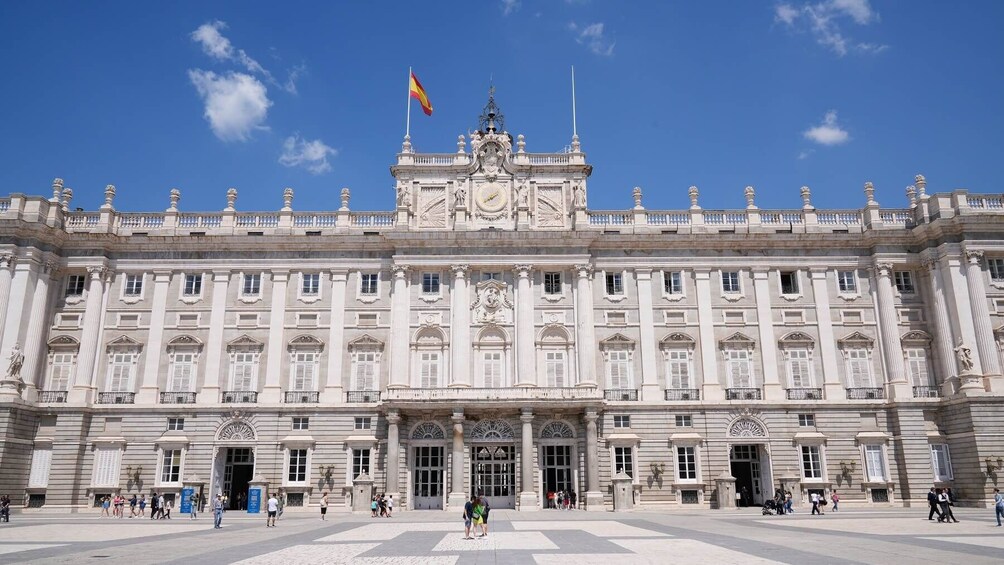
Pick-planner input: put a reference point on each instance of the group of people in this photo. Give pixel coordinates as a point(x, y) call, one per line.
point(382, 506)
point(476, 516)
point(5, 508)
point(561, 500)
point(941, 502)
point(783, 501)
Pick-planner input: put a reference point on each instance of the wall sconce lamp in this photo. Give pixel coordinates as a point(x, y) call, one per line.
point(847, 467)
point(658, 468)
point(994, 466)
point(134, 473)
point(327, 470)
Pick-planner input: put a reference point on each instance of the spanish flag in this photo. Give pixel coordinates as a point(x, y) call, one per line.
point(418, 93)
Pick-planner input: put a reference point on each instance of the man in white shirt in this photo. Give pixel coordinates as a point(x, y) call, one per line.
point(273, 509)
point(815, 503)
point(390, 505)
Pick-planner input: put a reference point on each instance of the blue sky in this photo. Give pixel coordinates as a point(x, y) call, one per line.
point(830, 94)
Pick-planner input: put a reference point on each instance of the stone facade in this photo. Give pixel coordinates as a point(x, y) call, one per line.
point(493, 333)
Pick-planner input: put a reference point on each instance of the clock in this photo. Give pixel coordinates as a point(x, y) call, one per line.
point(492, 197)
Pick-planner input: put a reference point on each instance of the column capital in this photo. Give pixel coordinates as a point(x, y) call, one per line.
point(523, 270)
point(458, 417)
point(221, 275)
point(526, 416)
point(162, 275)
point(393, 417)
point(643, 273)
point(97, 272)
point(584, 270)
point(51, 268)
point(974, 256)
point(460, 270)
point(818, 272)
point(400, 271)
point(883, 268)
point(339, 275)
point(590, 416)
point(280, 275)
point(760, 273)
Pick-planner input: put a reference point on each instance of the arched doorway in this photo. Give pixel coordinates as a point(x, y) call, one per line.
point(749, 460)
point(557, 457)
point(493, 462)
point(234, 463)
point(427, 450)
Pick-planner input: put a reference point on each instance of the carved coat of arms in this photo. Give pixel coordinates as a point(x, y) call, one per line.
point(491, 303)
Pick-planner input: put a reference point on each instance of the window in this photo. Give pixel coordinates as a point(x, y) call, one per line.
point(619, 368)
point(678, 368)
point(811, 462)
point(491, 368)
point(182, 372)
point(552, 283)
point(251, 285)
point(306, 320)
point(738, 369)
point(684, 421)
point(730, 282)
point(686, 463)
point(623, 461)
point(793, 317)
point(996, 267)
point(430, 283)
point(806, 420)
point(107, 461)
point(301, 423)
point(128, 320)
point(245, 375)
point(429, 369)
point(120, 372)
point(789, 282)
point(310, 284)
point(41, 462)
point(175, 424)
point(170, 469)
point(847, 282)
point(363, 423)
point(859, 369)
point(852, 317)
point(297, 466)
point(360, 462)
point(554, 367)
point(904, 282)
point(615, 284)
point(916, 366)
point(364, 370)
point(799, 368)
point(368, 284)
point(303, 370)
point(734, 317)
point(366, 320)
point(941, 462)
point(193, 285)
point(75, 285)
point(61, 373)
point(672, 282)
point(491, 276)
point(621, 421)
point(875, 463)
point(133, 285)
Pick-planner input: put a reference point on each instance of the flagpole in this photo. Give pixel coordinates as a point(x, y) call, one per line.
point(407, 127)
point(574, 129)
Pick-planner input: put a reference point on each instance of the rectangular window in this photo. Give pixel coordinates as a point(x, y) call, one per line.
point(852, 317)
point(492, 369)
point(615, 284)
point(996, 267)
point(75, 285)
point(41, 462)
point(310, 284)
point(170, 471)
point(363, 423)
point(429, 369)
point(430, 283)
point(554, 367)
point(904, 282)
point(301, 423)
point(133, 285)
point(251, 286)
point(806, 420)
point(552, 283)
point(175, 424)
point(245, 365)
point(303, 370)
point(306, 320)
point(619, 368)
point(491, 276)
point(247, 319)
point(297, 466)
point(106, 466)
point(62, 371)
point(812, 467)
point(182, 372)
point(360, 462)
point(686, 463)
point(730, 282)
point(859, 369)
point(789, 282)
point(193, 285)
point(916, 366)
point(368, 284)
point(364, 370)
point(621, 421)
point(623, 461)
point(366, 320)
point(847, 282)
point(672, 282)
point(120, 372)
point(737, 317)
point(684, 421)
point(679, 368)
point(874, 463)
point(941, 462)
point(799, 368)
point(737, 367)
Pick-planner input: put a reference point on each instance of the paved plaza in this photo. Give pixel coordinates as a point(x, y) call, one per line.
point(550, 537)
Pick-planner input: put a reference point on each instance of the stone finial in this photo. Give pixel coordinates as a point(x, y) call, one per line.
point(692, 192)
point(520, 144)
point(287, 199)
point(870, 194)
point(806, 198)
point(911, 195)
point(67, 196)
point(921, 183)
point(109, 195)
point(231, 198)
point(175, 197)
point(750, 194)
point(576, 146)
point(461, 144)
point(345, 199)
point(57, 189)
point(406, 146)
point(636, 194)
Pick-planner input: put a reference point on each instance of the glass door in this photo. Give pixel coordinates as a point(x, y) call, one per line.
point(428, 477)
point(557, 469)
point(493, 472)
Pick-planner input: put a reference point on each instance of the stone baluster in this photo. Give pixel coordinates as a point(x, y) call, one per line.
point(976, 280)
point(585, 341)
point(528, 495)
point(892, 349)
point(525, 352)
point(400, 359)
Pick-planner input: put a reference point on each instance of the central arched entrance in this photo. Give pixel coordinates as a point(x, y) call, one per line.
point(493, 462)
point(749, 460)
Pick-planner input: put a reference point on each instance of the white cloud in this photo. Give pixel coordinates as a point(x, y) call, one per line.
point(860, 10)
point(510, 6)
point(829, 132)
point(219, 47)
point(804, 154)
point(824, 20)
point(312, 155)
point(785, 13)
point(235, 103)
point(593, 37)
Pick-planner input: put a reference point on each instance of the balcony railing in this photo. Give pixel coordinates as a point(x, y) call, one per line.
point(926, 392)
point(55, 396)
point(177, 398)
point(683, 394)
point(626, 394)
point(514, 394)
point(743, 394)
point(116, 398)
point(869, 393)
point(240, 396)
point(362, 396)
point(805, 394)
point(301, 397)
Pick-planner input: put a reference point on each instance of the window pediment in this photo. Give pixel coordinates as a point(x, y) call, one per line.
point(124, 342)
point(617, 341)
point(737, 340)
point(185, 341)
point(797, 340)
point(916, 338)
point(855, 340)
point(63, 342)
point(554, 334)
point(366, 341)
point(677, 340)
point(306, 342)
point(430, 336)
point(245, 342)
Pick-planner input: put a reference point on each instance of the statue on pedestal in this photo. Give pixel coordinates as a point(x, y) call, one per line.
point(964, 355)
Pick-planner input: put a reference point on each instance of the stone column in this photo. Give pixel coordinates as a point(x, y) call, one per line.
point(458, 495)
point(272, 392)
point(528, 494)
point(155, 342)
point(84, 380)
point(21, 284)
point(650, 391)
point(400, 329)
point(210, 391)
point(331, 389)
point(460, 326)
point(832, 388)
point(35, 337)
point(711, 385)
point(585, 338)
point(896, 384)
point(594, 498)
point(975, 278)
point(942, 331)
point(525, 347)
point(772, 388)
point(7, 262)
point(393, 454)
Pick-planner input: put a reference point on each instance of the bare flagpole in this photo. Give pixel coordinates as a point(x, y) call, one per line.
point(574, 129)
point(407, 127)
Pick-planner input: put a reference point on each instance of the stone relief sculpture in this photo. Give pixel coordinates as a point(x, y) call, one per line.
point(403, 195)
point(491, 303)
point(965, 357)
point(460, 196)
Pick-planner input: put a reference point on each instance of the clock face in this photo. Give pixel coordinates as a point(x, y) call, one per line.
point(492, 197)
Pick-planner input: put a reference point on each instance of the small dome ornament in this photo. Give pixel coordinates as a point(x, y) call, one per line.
point(175, 197)
point(231, 198)
point(693, 193)
point(806, 198)
point(345, 199)
point(287, 199)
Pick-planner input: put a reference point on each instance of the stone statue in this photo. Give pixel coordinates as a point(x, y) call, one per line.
point(404, 195)
point(579, 195)
point(965, 357)
point(523, 192)
point(16, 361)
point(460, 196)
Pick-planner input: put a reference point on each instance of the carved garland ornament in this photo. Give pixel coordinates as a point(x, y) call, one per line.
point(428, 430)
point(237, 431)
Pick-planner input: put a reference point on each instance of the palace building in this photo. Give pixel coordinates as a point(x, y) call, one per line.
point(493, 333)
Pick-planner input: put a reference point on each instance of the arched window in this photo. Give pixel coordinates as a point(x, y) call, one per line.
point(429, 351)
point(797, 347)
point(554, 347)
point(183, 355)
point(428, 430)
point(304, 357)
point(678, 352)
point(492, 430)
point(366, 352)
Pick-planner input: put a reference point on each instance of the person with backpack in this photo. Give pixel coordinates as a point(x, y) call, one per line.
point(486, 508)
point(998, 506)
point(479, 516)
point(836, 500)
point(469, 516)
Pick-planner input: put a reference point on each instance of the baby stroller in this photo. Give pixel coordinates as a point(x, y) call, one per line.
point(772, 507)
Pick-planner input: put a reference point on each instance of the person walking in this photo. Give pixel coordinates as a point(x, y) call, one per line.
point(160, 506)
point(105, 504)
point(998, 506)
point(932, 501)
point(324, 505)
point(836, 500)
point(469, 516)
point(373, 507)
point(142, 506)
point(167, 508)
point(218, 512)
point(273, 510)
point(5, 509)
point(479, 516)
point(195, 505)
point(132, 506)
point(946, 507)
point(390, 505)
point(814, 497)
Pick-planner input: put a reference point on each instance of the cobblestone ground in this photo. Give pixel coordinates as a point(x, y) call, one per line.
point(550, 537)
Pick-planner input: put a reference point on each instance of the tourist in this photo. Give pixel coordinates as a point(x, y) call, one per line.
point(105, 504)
point(166, 508)
point(142, 505)
point(281, 498)
point(119, 505)
point(469, 516)
point(273, 510)
point(789, 503)
point(382, 503)
point(373, 507)
point(160, 506)
point(195, 505)
point(218, 512)
point(390, 505)
point(132, 506)
point(5, 509)
point(324, 505)
point(946, 507)
point(478, 515)
point(836, 500)
point(932, 501)
point(487, 508)
point(571, 495)
point(814, 497)
point(998, 506)
point(550, 499)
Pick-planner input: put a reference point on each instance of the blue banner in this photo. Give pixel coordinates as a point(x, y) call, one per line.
point(254, 500)
point(186, 500)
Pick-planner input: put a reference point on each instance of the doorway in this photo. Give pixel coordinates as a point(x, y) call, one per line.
point(557, 470)
point(746, 467)
point(238, 469)
point(493, 474)
point(427, 481)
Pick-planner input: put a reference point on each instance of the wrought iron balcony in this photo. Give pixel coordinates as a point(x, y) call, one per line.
point(869, 393)
point(116, 398)
point(805, 394)
point(926, 392)
point(626, 394)
point(683, 394)
point(177, 398)
point(743, 394)
point(240, 396)
point(362, 396)
point(301, 397)
point(509, 394)
point(54, 396)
